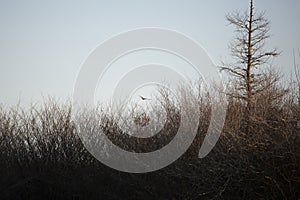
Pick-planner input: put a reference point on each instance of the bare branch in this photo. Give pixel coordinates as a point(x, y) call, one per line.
point(232, 71)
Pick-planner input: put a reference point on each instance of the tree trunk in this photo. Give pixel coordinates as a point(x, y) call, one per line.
point(248, 71)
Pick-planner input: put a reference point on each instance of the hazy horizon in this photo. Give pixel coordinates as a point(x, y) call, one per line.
point(43, 44)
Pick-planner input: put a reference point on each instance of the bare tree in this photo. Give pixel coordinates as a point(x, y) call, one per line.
point(248, 49)
point(297, 74)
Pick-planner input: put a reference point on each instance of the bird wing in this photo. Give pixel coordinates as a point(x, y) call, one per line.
point(144, 98)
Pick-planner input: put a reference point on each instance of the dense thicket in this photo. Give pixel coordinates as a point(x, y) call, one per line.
point(41, 155)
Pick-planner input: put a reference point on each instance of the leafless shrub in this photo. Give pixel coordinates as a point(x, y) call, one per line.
point(40, 149)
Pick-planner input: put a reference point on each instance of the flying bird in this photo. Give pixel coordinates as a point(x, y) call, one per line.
point(144, 98)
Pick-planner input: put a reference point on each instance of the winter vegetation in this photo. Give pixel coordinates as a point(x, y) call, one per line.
point(256, 157)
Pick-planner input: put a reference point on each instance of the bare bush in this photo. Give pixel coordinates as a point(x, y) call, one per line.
point(42, 155)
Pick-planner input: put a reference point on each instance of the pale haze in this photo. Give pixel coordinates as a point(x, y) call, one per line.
point(44, 43)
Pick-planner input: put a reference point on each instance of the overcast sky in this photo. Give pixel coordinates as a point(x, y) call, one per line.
point(44, 43)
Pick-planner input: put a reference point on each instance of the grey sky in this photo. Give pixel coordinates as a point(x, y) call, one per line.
point(44, 43)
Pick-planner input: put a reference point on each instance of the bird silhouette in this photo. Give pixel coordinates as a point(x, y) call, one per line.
point(144, 98)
